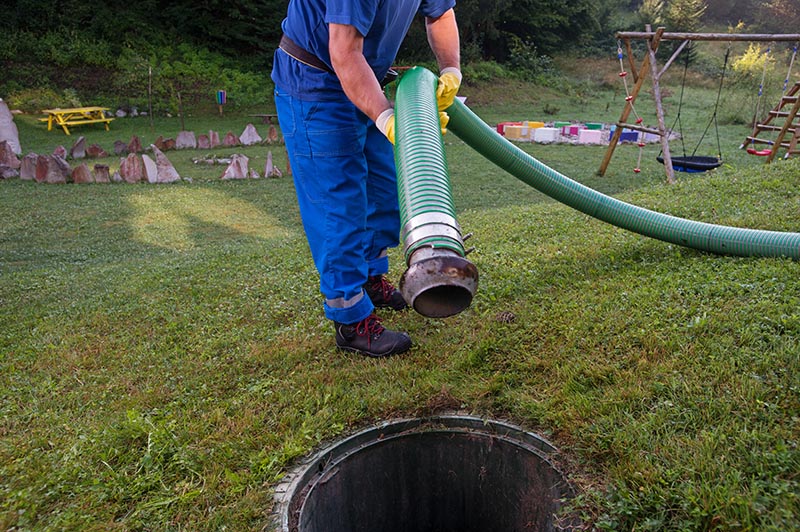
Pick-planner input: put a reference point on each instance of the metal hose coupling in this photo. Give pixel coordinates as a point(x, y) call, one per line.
point(439, 281)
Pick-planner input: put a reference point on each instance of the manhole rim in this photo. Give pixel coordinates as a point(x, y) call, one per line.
point(301, 476)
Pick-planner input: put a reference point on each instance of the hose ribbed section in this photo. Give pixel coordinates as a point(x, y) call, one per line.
point(427, 214)
point(723, 240)
point(439, 281)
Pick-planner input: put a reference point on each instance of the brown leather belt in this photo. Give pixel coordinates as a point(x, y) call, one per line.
point(300, 54)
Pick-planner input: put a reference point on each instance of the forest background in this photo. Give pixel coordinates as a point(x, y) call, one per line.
point(159, 56)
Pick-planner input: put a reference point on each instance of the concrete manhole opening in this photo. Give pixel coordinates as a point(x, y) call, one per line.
point(443, 474)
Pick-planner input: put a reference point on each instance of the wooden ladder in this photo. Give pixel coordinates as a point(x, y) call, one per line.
point(789, 126)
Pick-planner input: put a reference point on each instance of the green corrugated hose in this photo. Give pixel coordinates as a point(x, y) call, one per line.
point(423, 180)
point(439, 281)
point(718, 239)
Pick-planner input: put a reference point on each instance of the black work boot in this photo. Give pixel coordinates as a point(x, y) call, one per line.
point(370, 338)
point(383, 294)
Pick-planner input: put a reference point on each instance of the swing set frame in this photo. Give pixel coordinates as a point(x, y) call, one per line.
point(650, 64)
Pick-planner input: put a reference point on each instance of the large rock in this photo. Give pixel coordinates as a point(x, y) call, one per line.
point(272, 135)
point(230, 140)
point(27, 170)
point(82, 175)
point(135, 145)
point(6, 172)
point(8, 129)
point(52, 169)
point(131, 169)
point(270, 170)
point(186, 140)
point(238, 167)
point(213, 139)
point(120, 148)
point(96, 152)
point(203, 142)
point(250, 136)
point(8, 158)
point(100, 173)
point(9, 163)
point(165, 172)
point(78, 150)
point(42, 164)
point(150, 169)
point(60, 151)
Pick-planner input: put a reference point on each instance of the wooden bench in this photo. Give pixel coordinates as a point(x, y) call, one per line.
point(265, 118)
point(76, 116)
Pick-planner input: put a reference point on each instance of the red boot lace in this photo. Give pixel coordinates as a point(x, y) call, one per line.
point(379, 283)
point(370, 327)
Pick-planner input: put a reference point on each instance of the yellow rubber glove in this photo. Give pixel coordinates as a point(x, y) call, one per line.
point(449, 82)
point(444, 118)
point(385, 123)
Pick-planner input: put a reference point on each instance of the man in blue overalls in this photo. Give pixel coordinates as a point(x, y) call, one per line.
point(339, 130)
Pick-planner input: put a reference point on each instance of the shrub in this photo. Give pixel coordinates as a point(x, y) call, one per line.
point(751, 63)
point(525, 59)
point(484, 71)
point(187, 75)
point(34, 100)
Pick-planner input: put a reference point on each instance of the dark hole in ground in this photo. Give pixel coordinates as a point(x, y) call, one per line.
point(447, 474)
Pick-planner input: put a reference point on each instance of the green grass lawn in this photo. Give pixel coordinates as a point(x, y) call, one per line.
point(165, 358)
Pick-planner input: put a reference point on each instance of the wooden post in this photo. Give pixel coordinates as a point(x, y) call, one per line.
point(180, 111)
point(674, 56)
point(793, 143)
point(651, 50)
point(745, 37)
point(150, 95)
point(631, 62)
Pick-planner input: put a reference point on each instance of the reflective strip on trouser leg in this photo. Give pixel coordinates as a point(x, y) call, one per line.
point(325, 141)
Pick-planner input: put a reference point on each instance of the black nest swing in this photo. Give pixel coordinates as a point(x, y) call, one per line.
point(697, 163)
point(693, 163)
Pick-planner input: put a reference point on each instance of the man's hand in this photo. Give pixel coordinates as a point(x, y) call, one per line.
point(385, 123)
point(449, 82)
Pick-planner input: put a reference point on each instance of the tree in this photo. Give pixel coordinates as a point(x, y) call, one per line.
point(651, 12)
point(780, 16)
point(684, 15)
point(551, 25)
point(731, 12)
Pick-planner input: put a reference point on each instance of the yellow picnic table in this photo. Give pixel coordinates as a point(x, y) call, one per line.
point(75, 117)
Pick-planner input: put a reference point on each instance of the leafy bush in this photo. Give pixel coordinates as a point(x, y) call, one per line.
point(34, 100)
point(525, 60)
point(185, 75)
point(753, 62)
point(246, 89)
point(58, 47)
point(484, 71)
point(754, 85)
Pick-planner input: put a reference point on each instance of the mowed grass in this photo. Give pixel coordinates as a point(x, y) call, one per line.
point(165, 358)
